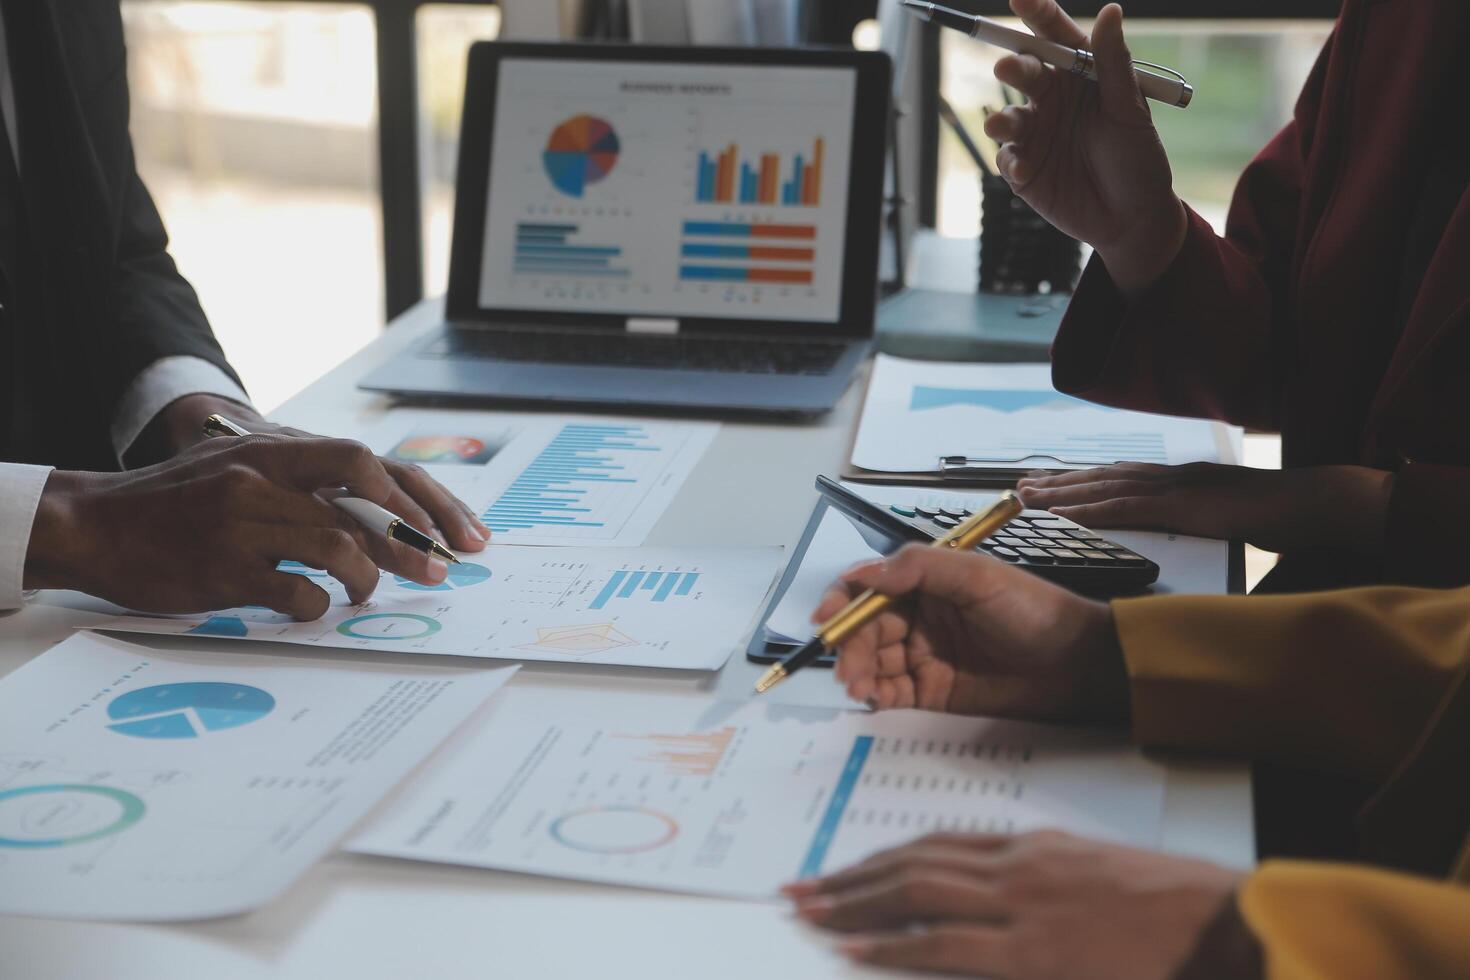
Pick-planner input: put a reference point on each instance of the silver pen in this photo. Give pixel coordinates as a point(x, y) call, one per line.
point(1175, 91)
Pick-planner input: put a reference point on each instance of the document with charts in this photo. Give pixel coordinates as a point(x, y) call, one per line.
point(552, 480)
point(1007, 419)
point(162, 785)
point(640, 607)
point(738, 798)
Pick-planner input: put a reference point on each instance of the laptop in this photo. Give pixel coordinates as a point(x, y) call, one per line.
point(690, 229)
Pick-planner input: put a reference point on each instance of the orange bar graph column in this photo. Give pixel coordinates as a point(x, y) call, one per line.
point(812, 179)
point(769, 164)
point(725, 181)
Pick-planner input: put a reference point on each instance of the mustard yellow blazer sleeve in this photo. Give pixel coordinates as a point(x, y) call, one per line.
point(1339, 681)
point(1334, 922)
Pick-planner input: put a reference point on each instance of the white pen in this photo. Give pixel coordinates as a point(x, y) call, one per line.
point(365, 512)
point(1170, 91)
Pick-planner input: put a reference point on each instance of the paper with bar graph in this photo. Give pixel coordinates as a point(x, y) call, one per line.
point(554, 481)
point(642, 607)
point(687, 794)
point(1008, 417)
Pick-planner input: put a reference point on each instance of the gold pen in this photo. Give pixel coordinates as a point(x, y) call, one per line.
point(862, 610)
point(365, 512)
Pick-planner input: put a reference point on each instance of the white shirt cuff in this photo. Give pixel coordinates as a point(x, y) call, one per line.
point(160, 385)
point(20, 495)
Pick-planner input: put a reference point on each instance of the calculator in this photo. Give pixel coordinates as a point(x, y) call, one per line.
point(1049, 546)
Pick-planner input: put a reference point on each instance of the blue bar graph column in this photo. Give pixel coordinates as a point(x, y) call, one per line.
point(550, 492)
point(636, 585)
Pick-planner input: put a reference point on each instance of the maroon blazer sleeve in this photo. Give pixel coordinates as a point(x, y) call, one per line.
point(1205, 339)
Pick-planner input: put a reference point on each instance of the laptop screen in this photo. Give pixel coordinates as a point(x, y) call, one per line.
point(669, 190)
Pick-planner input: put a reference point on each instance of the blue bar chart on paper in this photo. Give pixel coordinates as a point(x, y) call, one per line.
point(646, 586)
point(594, 481)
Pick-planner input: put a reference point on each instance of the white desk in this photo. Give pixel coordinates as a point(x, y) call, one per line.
point(363, 918)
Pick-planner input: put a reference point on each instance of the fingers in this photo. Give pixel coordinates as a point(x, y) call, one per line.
point(1014, 166)
point(939, 850)
point(1011, 124)
point(1026, 74)
point(1043, 480)
point(1047, 19)
point(933, 684)
point(1121, 512)
point(389, 555)
point(438, 507)
point(1091, 493)
point(1115, 76)
point(315, 464)
point(959, 578)
point(927, 895)
point(972, 950)
point(335, 550)
point(893, 693)
point(291, 595)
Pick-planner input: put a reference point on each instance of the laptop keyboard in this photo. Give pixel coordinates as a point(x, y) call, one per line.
point(725, 354)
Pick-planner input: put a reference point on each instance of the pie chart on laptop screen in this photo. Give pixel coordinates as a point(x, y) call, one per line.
point(581, 152)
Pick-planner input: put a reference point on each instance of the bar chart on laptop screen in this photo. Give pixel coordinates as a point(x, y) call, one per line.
point(669, 190)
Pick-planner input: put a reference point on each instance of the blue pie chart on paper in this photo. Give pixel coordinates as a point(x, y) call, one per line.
point(461, 576)
point(187, 710)
point(221, 626)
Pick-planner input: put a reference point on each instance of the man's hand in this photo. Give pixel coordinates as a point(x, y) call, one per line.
point(207, 529)
point(976, 636)
point(1341, 507)
point(417, 497)
point(1041, 906)
point(1086, 155)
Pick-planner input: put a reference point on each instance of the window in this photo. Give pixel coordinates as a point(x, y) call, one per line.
point(255, 129)
point(445, 34)
point(1247, 77)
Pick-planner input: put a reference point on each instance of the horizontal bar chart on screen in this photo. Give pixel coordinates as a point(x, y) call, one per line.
point(766, 253)
point(547, 249)
point(716, 273)
point(733, 229)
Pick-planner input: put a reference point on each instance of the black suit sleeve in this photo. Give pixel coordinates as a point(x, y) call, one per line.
point(158, 313)
point(151, 311)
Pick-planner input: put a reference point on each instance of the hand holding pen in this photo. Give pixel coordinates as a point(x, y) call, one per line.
point(371, 516)
point(838, 625)
point(1084, 154)
point(973, 635)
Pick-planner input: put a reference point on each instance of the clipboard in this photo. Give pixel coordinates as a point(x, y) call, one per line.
point(999, 478)
point(762, 651)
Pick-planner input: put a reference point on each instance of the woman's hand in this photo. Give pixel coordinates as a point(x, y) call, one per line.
point(416, 497)
point(1085, 155)
point(1341, 507)
point(207, 529)
point(976, 636)
point(1041, 906)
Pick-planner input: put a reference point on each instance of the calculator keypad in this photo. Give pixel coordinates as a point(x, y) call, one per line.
point(1052, 545)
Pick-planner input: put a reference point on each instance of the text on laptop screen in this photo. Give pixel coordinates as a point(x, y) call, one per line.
point(669, 190)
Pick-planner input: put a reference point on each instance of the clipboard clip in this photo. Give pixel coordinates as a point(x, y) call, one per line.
point(960, 465)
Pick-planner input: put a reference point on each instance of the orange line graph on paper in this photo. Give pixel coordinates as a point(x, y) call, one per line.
point(687, 755)
point(598, 638)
